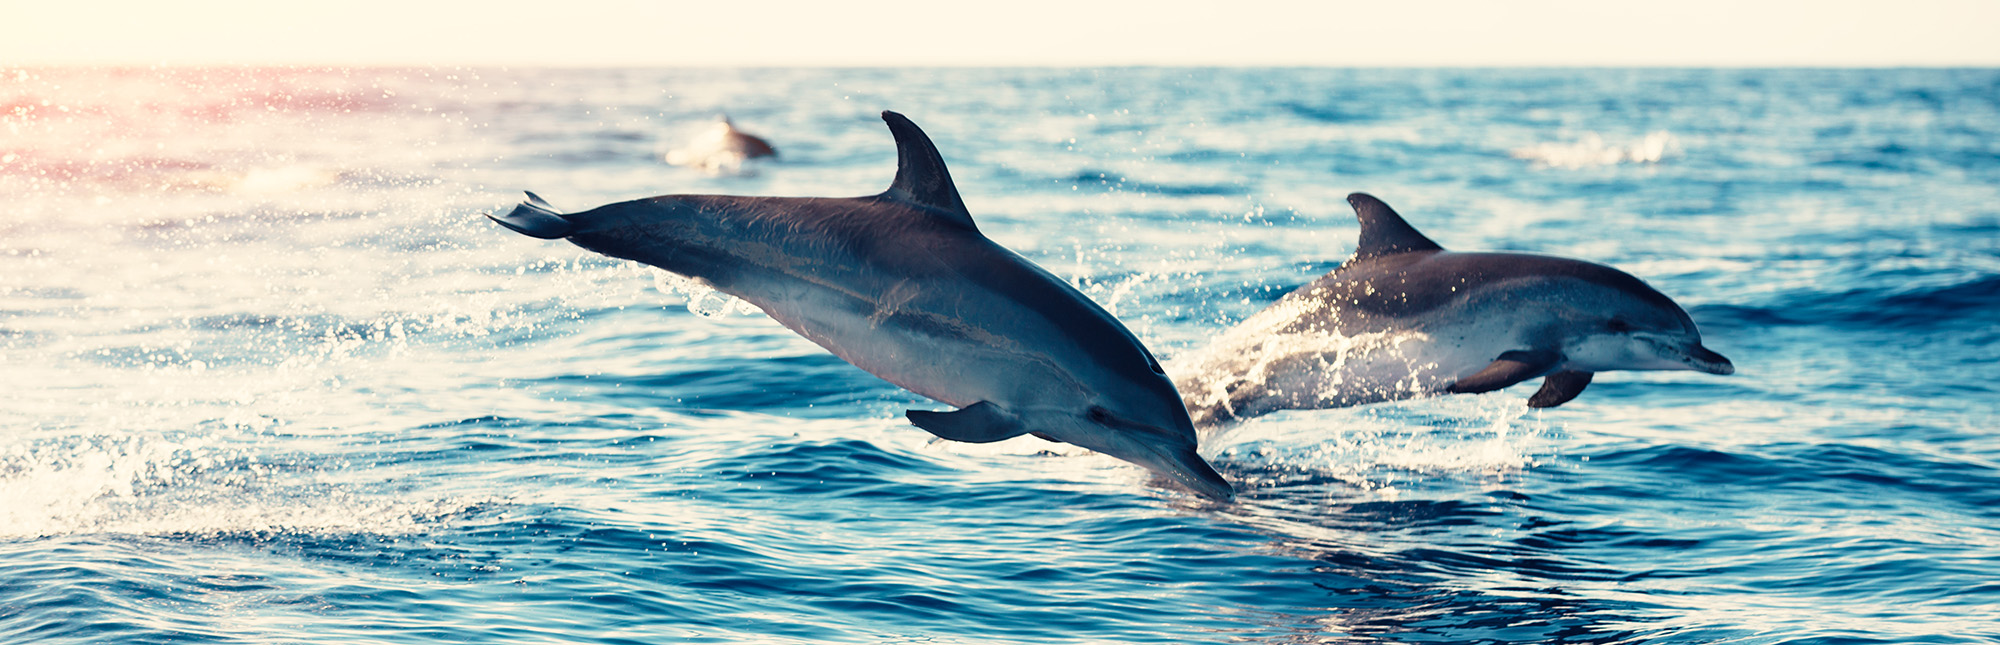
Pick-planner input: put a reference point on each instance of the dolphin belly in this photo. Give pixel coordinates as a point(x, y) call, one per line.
point(907, 318)
point(951, 360)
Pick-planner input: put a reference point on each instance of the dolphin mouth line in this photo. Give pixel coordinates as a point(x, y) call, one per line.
point(1723, 368)
point(1703, 359)
point(1692, 354)
point(1187, 468)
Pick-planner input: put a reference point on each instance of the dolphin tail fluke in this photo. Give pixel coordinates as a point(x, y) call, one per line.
point(980, 422)
point(534, 218)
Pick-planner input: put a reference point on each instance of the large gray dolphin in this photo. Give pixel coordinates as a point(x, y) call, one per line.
point(903, 285)
point(1406, 318)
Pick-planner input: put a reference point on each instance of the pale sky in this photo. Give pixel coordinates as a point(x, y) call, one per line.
point(1002, 32)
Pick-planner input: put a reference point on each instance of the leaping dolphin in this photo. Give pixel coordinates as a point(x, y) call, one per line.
point(903, 285)
point(1406, 318)
point(720, 148)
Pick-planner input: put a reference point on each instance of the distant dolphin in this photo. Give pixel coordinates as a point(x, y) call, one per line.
point(720, 148)
point(1406, 318)
point(903, 285)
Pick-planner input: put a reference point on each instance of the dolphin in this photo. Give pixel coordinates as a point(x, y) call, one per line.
point(903, 285)
point(720, 148)
point(1405, 318)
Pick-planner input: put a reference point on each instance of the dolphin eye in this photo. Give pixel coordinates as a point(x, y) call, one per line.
point(1099, 415)
point(1618, 325)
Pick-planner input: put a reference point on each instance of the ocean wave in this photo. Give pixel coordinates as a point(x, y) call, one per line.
point(553, 451)
point(1112, 182)
point(1807, 467)
point(1334, 113)
point(1970, 301)
point(772, 383)
point(192, 485)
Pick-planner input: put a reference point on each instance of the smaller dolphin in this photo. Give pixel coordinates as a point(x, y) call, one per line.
point(720, 148)
point(1406, 318)
point(903, 285)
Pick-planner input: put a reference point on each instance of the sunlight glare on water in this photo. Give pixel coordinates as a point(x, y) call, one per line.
point(272, 377)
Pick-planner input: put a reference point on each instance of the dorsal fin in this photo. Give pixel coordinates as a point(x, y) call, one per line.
point(1383, 232)
point(921, 177)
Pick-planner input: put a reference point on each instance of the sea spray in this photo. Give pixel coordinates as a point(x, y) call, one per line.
point(702, 300)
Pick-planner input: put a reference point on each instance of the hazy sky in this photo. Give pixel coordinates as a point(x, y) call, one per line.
point(1002, 32)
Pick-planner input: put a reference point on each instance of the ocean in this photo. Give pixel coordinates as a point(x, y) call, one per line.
point(271, 377)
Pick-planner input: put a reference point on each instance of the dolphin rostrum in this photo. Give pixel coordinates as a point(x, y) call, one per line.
point(903, 285)
point(1406, 318)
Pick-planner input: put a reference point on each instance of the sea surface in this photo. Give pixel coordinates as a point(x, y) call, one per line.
point(268, 376)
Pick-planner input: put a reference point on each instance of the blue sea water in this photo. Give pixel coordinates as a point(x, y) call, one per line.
point(269, 377)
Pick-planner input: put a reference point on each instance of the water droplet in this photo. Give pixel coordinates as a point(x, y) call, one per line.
point(702, 300)
point(711, 304)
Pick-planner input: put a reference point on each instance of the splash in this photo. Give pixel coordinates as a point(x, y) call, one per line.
point(720, 150)
point(702, 300)
point(1386, 447)
point(1262, 365)
point(712, 163)
point(1592, 151)
point(193, 485)
point(1338, 368)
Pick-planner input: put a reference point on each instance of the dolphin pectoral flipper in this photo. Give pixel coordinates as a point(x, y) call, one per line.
point(534, 218)
point(1559, 388)
point(1510, 368)
point(981, 422)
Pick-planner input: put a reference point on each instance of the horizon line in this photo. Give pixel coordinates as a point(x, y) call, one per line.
point(1101, 65)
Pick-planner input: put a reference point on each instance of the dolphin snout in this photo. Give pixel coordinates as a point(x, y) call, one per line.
point(1706, 360)
point(1186, 467)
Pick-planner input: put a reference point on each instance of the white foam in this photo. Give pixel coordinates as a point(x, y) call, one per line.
point(1592, 150)
point(1374, 447)
point(158, 486)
